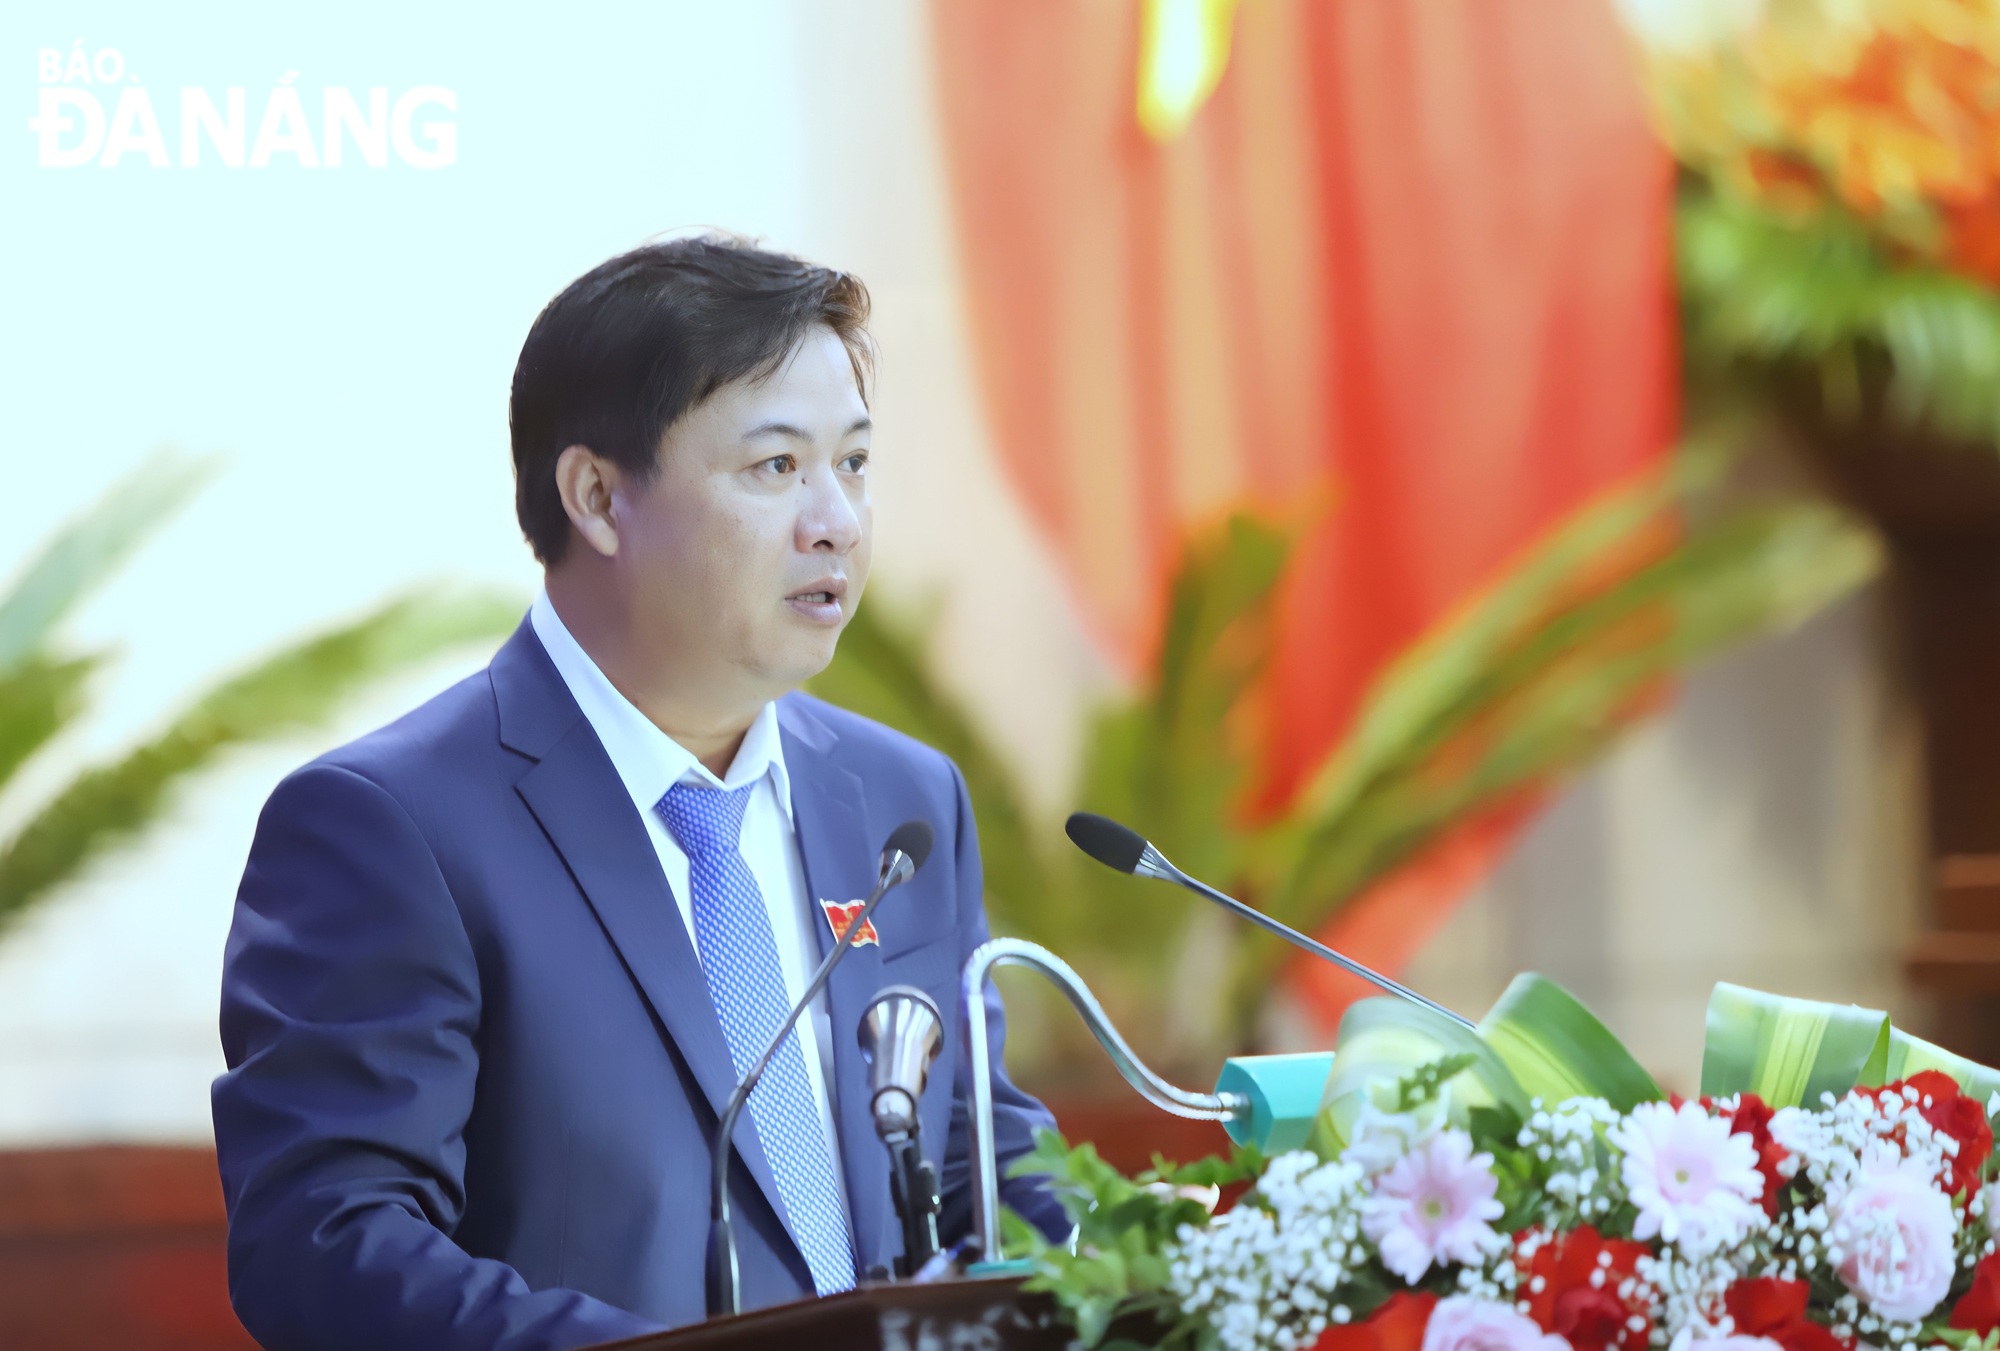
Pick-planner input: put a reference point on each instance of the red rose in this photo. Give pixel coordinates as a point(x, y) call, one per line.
point(1769, 1307)
point(1397, 1325)
point(1753, 1118)
point(1949, 1112)
point(1979, 1309)
point(1579, 1276)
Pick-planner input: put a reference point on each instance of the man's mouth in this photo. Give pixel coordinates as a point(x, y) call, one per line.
point(820, 604)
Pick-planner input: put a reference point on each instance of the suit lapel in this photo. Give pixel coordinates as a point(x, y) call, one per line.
point(841, 849)
point(577, 797)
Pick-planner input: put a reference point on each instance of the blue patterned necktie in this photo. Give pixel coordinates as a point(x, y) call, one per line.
point(739, 958)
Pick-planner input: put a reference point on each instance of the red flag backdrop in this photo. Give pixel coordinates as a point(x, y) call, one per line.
point(1412, 256)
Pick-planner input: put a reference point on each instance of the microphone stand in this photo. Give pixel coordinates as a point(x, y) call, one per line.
point(725, 1294)
point(1155, 864)
point(913, 1187)
point(899, 1035)
point(1121, 847)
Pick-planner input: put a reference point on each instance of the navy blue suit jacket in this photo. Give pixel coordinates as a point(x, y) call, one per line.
point(474, 1069)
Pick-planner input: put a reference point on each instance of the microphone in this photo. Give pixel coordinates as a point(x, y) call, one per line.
point(1123, 848)
point(901, 1033)
point(907, 847)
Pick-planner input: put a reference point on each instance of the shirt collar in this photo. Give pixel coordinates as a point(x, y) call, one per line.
point(647, 760)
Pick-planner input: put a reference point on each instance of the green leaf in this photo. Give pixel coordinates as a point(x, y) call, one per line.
point(1557, 1049)
point(1962, 1339)
point(1174, 763)
point(1910, 1055)
point(1823, 294)
point(296, 689)
point(1787, 1051)
point(1124, 1227)
point(1538, 676)
point(37, 699)
point(1383, 1041)
point(1424, 1084)
point(1433, 681)
point(1875, 1069)
point(1244, 1164)
point(88, 550)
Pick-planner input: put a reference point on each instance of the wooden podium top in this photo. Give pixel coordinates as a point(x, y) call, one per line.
point(990, 1315)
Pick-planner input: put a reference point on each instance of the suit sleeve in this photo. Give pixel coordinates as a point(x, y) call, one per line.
point(1016, 1116)
point(350, 1016)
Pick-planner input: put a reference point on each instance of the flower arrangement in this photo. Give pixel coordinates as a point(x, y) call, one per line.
point(1840, 209)
point(1888, 109)
point(1451, 1209)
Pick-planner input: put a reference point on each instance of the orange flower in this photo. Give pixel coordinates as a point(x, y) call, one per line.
point(1895, 115)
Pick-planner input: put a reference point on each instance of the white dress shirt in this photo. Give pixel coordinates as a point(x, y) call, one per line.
point(649, 762)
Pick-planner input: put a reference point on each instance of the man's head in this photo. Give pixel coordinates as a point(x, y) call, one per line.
point(690, 435)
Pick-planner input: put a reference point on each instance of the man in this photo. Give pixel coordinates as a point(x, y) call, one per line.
point(496, 967)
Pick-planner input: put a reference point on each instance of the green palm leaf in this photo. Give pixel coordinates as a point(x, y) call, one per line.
point(296, 689)
point(1173, 764)
point(1557, 1049)
point(1492, 708)
point(1789, 1051)
point(37, 699)
point(1383, 1039)
point(87, 551)
point(1908, 1055)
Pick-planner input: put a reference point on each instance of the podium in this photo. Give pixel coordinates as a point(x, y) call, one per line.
point(989, 1315)
point(1269, 1100)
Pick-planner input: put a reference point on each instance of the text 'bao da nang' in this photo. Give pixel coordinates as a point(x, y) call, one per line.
point(92, 110)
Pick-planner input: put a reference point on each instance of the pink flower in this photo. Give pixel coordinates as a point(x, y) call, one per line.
point(1695, 1184)
point(1463, 1323)
point(1432, 1206)
point(1893, 1232)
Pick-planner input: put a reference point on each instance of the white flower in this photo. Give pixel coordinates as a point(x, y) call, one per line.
point(1265, 1278)
point(1894, 1229)
point(1380, 1138)
point(1462, 1323)
point(1695, 1184)
point(1433, 1207)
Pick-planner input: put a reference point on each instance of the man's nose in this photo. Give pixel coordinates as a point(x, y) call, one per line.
point(828, 521)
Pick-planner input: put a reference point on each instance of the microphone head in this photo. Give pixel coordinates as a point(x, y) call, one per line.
point(912, 839)
point(1102, 838)
point(900, 1035)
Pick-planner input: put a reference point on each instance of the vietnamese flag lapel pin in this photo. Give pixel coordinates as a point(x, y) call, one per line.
point(839, 917)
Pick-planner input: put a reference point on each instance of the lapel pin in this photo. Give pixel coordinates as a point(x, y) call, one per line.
point(839, 916)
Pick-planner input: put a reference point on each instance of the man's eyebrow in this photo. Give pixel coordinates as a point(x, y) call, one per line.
point(860, 424)
point(776, 429)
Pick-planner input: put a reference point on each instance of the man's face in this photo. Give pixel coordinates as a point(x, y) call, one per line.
point(748, 551)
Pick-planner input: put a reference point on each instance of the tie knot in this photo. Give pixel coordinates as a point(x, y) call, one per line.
point(704, 820)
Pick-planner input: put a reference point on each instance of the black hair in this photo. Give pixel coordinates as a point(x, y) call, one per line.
point(629, 347)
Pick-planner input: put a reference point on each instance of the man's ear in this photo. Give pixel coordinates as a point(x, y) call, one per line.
point(587, 483)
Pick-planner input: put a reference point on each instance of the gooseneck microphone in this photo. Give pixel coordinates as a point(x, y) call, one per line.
point(901, 1033)
point(1123, 848)
point(905, 851)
